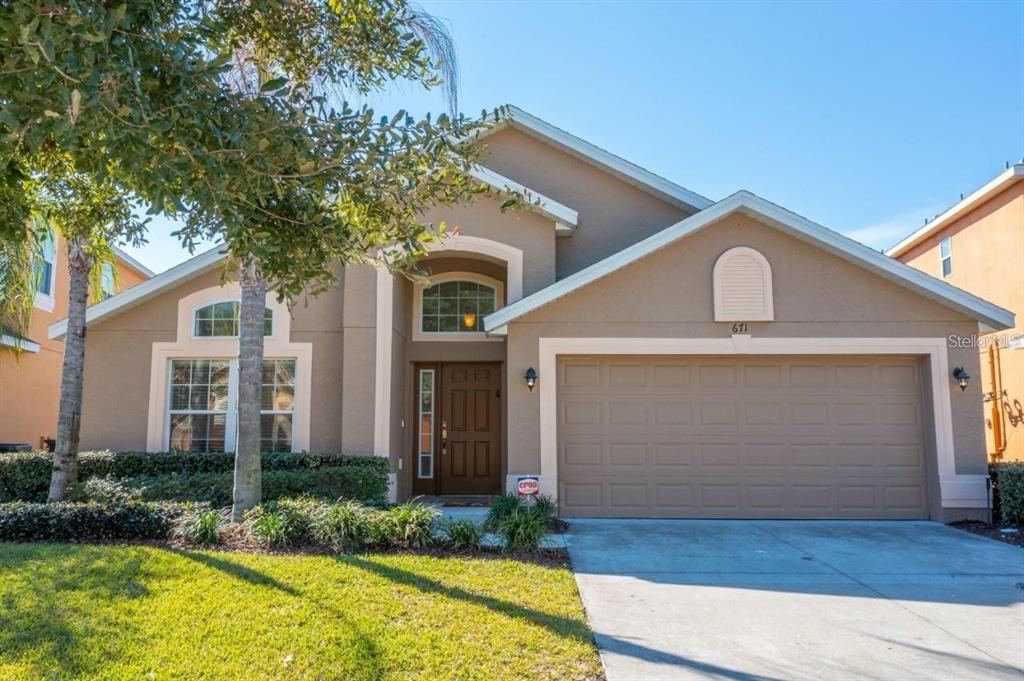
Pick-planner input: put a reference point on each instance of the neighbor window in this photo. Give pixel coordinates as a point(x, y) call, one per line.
point(425, 459)
point(220, 320)
point(457, 307)
point(42, 269)
point(203, 405)
point(107, 282)
point(946, 256)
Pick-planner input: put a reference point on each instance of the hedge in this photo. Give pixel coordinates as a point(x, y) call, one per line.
point(22, 521)
point(1008, 491)
point(360, 483)
point(25, 476)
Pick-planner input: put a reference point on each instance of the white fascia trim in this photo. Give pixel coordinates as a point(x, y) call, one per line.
point(985, 312)
point(1006, 178)
point(133, 263)
point(565, 218)
point(956, 490)
point(620, 167)
point(19, 343)
point(136, 295)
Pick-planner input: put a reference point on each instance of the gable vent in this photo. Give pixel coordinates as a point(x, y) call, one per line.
point(743, 286)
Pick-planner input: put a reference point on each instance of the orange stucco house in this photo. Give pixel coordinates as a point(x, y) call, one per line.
point(30, 383)
point(978, 246)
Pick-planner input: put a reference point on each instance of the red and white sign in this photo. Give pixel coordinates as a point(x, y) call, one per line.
point(528, 486)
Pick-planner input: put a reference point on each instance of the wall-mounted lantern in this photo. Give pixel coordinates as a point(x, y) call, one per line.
point(960, 374)
point(531, 378)
point(469, 319)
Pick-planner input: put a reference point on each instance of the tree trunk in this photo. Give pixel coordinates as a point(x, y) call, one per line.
point(65, 455)
point(250, 371)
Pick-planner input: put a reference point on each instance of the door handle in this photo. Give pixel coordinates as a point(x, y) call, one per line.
point(444, 438)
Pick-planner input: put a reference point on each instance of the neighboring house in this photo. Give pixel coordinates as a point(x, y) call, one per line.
point(978, 246)
point(686, 357)
point(30, 382)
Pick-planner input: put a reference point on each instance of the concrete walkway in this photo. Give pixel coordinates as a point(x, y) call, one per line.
point(678, 599)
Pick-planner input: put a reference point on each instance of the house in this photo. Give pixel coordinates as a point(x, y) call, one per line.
point(30, 382)
point(978, 246)
point(641, 349)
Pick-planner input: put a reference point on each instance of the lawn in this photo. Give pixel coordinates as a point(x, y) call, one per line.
point(148, 612)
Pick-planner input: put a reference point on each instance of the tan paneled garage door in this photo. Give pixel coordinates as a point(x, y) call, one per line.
point(813, 437)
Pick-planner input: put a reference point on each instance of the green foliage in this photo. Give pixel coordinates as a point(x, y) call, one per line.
point(25, 476)
point(501, 506)
point(1009, 489)
point(462, 533)
point(523, 528)
point(89, 521)
point(344, 526)
point(287, 522)
point(107, 491)
point(408, 525)
point(201, 526)
point(546, 507)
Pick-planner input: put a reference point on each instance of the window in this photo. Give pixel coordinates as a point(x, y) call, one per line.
point(200, 405)
point(425, 460)
point(220, 320)
point(108, 284)
point(277, 403)
point(457, 304)
point(204, 401)
point(42, 269)
point(946, 256)
point(742, 286)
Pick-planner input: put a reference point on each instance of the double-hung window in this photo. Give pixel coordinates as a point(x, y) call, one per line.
point(203, 406)
point(946, 256)
point(42, 268)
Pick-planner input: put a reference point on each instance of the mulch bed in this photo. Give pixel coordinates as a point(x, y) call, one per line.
point(993, 531)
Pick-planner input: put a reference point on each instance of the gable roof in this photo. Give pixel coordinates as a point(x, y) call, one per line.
point(1002, 181)
point(132, 262)
point(565, 218)
point(136, 295)
point(629, 172)
point(985, 312)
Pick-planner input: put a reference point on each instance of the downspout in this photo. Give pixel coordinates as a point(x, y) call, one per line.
point(996, 398)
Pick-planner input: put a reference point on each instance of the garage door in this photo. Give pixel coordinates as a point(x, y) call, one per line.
point(741, 438)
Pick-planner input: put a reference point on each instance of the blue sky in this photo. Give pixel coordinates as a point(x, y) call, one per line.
point(865, 117)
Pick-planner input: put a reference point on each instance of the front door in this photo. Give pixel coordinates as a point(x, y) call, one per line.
point(466, 441)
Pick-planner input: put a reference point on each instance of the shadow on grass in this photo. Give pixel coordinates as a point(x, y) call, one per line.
point(234, 569)
point(46, 618)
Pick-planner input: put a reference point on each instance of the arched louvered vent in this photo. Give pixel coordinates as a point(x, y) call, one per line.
point(743, 287)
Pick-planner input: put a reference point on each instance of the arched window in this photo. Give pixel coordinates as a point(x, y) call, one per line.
point(220, 320)
point(43, 269)
point(455, 304)
point(743, 287)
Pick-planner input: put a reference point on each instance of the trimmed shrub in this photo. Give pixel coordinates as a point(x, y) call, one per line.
point(344, 526)
point(462, 533)
point(90, 521)
point(25, 476)
point(408, 525)
point(1008, 491)
point(106, 491)
point(201, 526)
point(523, 528)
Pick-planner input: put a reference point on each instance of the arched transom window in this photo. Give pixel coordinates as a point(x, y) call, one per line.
point(220, 320)
point(456, 303)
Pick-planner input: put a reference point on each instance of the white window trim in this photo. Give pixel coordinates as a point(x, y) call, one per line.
point(417, 305)
point(767, 314)
point(197, 308)
point(956, 490)
point(187, 347)
point(943, 258)
point(47, 301)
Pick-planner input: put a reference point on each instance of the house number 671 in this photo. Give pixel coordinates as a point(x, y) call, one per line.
point(741, 327)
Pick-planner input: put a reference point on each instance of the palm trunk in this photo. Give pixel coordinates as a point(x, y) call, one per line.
point(250, 370)
point(65, 456)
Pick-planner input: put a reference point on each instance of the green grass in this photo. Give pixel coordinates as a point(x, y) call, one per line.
point(138, 612)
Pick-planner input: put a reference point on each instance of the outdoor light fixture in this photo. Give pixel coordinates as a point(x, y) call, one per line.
point(469, 319)
point(531, 378)
point(960, 374)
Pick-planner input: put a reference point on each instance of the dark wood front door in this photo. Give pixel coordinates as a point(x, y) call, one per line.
point(466, 437)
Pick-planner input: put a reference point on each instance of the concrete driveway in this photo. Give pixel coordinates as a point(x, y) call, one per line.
point(704, 599)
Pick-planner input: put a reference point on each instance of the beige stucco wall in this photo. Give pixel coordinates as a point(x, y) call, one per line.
point(119, 354)
point(612, 213)
point(816, 295)
point(987, 247)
